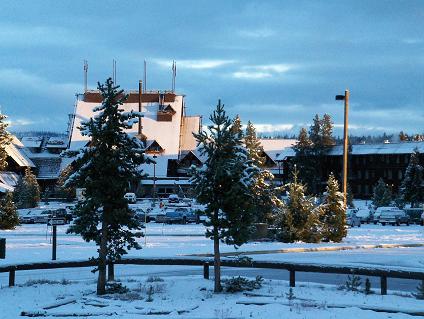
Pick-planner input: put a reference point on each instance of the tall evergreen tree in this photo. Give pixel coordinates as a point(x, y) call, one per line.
point(412, 187)
point(334, 214)
point(104, 169)
point(265, 200)
point(315, 131)
point(223, 185)
point(5, 139)
point(382, 194)
point(9, 218)
point(237, 128)
point(403, 137)
point(27, 192)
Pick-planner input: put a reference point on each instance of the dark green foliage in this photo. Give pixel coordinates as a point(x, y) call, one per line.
point(412, 187)
point(27, 191)
point(367, 289)
point(223, 184)
point(65, 192)
point(353, 283)
point(116, 288)
point(382, 194)
point(295, 219)
point(334, 214)
point(9, 218)
point(265, 201)
point(239, 284)
point(310, 150)
point(419, 294)
point(104, 168)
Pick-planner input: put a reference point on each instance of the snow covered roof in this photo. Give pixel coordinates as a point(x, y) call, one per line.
point(383, 148)
point(190, 124)
point(8, 181)
point(274, 147)
point(32, 141)
point(57, 142)
point(16, 151)
point(367, 149)
point(48, 168)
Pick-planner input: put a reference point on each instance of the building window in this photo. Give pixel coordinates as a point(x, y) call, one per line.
point(400, 175)
point(389, 174)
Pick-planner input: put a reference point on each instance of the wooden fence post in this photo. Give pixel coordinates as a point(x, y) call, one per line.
point(206, 270)
point(383, 285)
point(292, 278)
point(110, 271)
point(11, 277)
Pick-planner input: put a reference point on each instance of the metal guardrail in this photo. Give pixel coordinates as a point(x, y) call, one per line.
point(206, 263)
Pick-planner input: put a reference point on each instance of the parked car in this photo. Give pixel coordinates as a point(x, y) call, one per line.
point(131, 198)
point(25, 216)
point(180, 215)
point(394, 217)
point(140, 213)
point(173, 198)
point(379, 210)
point(351, 219)
point(364, 215)
point(414, 214)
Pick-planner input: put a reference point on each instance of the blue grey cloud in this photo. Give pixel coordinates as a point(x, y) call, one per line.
point(276, 63)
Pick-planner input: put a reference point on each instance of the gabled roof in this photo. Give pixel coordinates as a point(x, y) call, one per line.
point(150, 144)
point(16, 151)
point(8, 181)
point(169, 109)
point(274, 147)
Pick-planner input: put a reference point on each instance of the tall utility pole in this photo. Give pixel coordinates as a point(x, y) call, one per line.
point(345, 97)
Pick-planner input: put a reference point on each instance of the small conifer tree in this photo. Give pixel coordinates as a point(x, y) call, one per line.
point(5, 139)
point(66, 192)
point(9, 218)
point(412, 187)
point(334, 213)
point(27, 191)
point(382, 194)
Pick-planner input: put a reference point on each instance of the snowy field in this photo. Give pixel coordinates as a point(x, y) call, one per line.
point(193, 297)
point(183, 293)
point(31, 243)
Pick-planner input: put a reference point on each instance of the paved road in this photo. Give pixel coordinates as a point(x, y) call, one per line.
point(84, 274)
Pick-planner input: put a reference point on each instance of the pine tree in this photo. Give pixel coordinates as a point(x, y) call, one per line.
point(9, 218)
point(334, 213)
point(5, 139)
point(305, 161)
point(223, 185)
point(66, 192)
point(412, 187)
point(315, 131)
point(236, 126)
point(27, 191)
point(382, 195)
point(327, 131)
point(104, 169)
point(294, 214)
point(265, 201)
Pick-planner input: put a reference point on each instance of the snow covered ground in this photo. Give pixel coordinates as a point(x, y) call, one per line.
point(193, 297)
point(182, 289)
point(31, 243)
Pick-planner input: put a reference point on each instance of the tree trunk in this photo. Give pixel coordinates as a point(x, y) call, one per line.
point(217, 260)
point(101, 281)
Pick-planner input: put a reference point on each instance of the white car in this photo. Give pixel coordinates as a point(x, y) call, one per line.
point(379, 210)
point(131, 198)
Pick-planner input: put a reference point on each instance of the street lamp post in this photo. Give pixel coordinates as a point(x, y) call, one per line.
point(345, 98)
point(154, 177)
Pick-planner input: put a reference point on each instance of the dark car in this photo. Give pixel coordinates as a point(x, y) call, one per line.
point(180, 215)
point(394, 217)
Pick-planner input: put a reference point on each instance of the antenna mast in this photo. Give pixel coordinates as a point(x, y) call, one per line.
point(145, 77)
point(174, 74)
point(85, 74)
point(114, 71)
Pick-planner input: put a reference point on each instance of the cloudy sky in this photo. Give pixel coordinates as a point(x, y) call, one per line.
point(276, 63)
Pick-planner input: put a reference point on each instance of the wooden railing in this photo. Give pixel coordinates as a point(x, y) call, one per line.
point(206, 263)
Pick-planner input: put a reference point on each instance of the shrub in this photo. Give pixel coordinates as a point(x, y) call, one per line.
point(353, 283)
point(238, 284)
